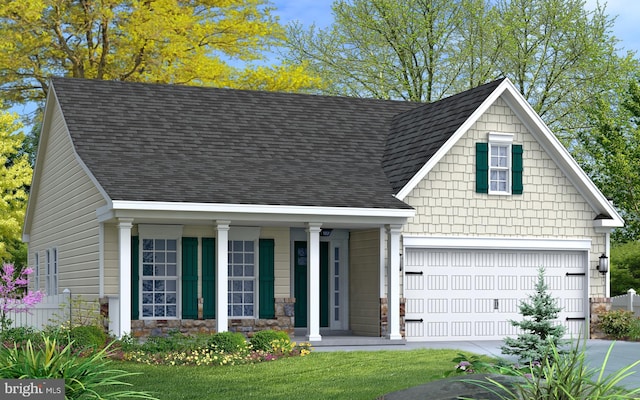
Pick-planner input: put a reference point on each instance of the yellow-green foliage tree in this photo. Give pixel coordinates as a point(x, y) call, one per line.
point(15, 176)
point(194, 42)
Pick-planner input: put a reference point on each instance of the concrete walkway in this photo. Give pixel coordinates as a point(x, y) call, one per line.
point(622, 353)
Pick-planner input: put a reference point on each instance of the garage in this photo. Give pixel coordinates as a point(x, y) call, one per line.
point(471, 294)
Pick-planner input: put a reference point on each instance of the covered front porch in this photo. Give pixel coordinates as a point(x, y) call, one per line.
point(216, 288)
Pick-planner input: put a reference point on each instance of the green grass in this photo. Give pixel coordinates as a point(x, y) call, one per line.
point(331, 375)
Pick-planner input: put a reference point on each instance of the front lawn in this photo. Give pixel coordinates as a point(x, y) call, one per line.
point(331, 375)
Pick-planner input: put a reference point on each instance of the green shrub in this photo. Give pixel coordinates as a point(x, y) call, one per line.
point(85, 377)
point(19, 335)
point(634, 329)
point(228, 342)
point(616, 323)
point(263, 340)
point(88, 336)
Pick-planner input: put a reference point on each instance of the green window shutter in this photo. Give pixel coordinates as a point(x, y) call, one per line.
point(516, 169)
point(267, 297)
point(482, 167)
point(208, 278)
point(135, 276)
point(189, 278)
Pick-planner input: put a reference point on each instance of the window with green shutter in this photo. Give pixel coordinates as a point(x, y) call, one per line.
point(266, 305)
point(189, 278)
point(482, 167)
point(516, 169)
point(208, 278)
point(499, 167)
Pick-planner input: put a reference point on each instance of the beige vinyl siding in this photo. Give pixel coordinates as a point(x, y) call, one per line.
point(64, 214)
point(111, 260)
point(551, 207)
point(282, 260)
point(364, 282)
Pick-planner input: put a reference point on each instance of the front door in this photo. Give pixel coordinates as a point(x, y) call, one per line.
point(300, 284)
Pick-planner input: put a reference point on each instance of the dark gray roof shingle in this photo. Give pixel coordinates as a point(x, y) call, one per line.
point(150, 142)
point(416, 135)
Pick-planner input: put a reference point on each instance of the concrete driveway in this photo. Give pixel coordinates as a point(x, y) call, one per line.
point(622, 353)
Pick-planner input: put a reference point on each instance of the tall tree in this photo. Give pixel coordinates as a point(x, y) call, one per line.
point(384, 48)
point(612, 155)
point(192, 42)
point(15, 177)
point(559, 55)
point(556, 52)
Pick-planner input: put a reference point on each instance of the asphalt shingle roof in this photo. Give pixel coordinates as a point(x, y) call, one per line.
point(416, 135)
point(170, 143)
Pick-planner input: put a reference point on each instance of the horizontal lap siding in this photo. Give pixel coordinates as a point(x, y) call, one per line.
point(447, 204)
point(364, 282)
point(64, 214)
point(282, 261)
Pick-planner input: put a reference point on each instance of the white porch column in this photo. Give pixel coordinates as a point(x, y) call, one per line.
point(124, 239)
point(222, 277)
point(393, 286)
point(607, 276)
point(313, 281)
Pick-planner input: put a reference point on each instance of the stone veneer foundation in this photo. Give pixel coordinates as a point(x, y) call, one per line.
point(597, 307)
point(283, 321)
point(384, 317)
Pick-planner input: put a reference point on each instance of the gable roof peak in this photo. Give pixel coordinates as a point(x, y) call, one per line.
point(417, 134)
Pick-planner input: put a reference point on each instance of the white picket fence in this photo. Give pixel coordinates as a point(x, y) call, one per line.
point(51, 308)
point(629, 302)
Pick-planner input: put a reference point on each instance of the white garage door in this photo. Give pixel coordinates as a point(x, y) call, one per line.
point(472, 294)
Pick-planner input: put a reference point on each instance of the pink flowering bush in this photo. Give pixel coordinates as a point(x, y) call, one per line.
point(14, 293)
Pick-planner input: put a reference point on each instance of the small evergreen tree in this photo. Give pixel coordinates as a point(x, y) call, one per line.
point(539, 334)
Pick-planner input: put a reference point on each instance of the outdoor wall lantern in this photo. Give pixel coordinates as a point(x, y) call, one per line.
point(603, 264)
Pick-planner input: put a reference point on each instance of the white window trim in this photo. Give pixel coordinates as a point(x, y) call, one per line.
point(500, 139)
point(170, 232)
point(52, 270)
point(36, 271)
point(248, 234)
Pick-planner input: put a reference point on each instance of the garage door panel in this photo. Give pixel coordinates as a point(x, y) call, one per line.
point(437, 306)
point(485, 328)
point(414, 329)
point(437, 259)
point(485, 282)
point(507, 260)
point(437, 282)
point(509, 306)
point(474, 294)
point(461, 328)
point(415, 280)
point(461, 282)
point(574, 305)
point(507, 282)
point(528, 282)
point(461, 259)
point(415, 306)
point(485, 305)
point(486, 260)
point(461, 306)
point(437, 329)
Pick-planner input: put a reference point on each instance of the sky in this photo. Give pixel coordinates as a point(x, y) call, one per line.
point(307, 12)
point(626, 28)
